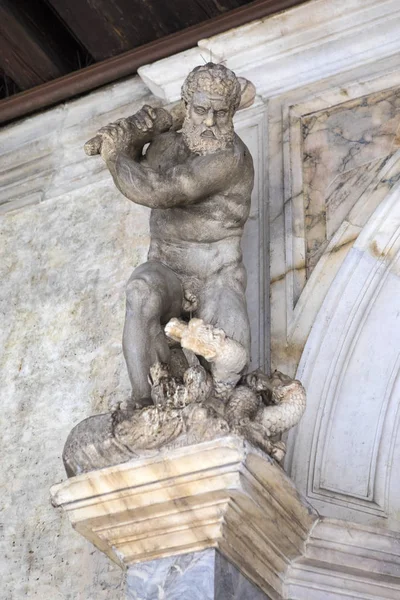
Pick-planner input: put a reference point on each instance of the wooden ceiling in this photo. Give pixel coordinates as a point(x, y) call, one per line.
point(42, 41)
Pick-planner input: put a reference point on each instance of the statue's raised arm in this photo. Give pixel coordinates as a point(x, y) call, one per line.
point(178, 182)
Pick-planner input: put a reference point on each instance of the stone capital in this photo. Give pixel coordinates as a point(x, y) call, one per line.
point(222, 494)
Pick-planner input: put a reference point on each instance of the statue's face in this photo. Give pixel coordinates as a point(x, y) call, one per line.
point(208, 126)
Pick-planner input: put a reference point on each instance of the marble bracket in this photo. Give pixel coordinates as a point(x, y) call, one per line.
point(228, 496)
point(222, 494)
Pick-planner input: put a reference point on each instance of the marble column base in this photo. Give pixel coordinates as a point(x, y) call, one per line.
point(205, 575)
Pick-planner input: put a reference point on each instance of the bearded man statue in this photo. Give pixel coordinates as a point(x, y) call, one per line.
point(198, 183)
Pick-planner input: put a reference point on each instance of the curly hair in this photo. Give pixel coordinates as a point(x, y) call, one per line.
point(212, 78)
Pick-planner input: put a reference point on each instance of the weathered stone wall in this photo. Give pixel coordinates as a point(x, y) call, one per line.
point(64, 263)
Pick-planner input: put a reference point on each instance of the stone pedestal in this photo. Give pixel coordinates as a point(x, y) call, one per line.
point(222, 494)
point(221, 520)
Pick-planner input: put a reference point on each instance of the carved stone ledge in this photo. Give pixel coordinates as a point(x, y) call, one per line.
point(225, 494)
point(345, 560)
point(222, 494)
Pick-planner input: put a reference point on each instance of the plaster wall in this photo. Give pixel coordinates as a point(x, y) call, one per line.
point(65, 258)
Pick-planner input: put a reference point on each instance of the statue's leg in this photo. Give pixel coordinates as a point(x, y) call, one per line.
point(153, 296)
point(222, 303)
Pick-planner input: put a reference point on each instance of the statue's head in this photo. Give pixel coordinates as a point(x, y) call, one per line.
point(211, 94)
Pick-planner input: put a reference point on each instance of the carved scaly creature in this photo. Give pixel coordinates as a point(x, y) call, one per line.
point(266, 407)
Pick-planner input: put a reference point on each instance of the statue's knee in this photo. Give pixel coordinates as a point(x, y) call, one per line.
point(141, 295)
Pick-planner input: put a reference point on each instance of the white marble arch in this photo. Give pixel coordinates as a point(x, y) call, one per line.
point(296, 300)
point(345, 454)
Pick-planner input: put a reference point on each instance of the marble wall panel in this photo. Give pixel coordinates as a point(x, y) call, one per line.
point(344, 148)
point(251, 126)
point(344, 197)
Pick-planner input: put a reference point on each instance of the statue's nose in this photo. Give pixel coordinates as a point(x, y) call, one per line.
point(210, 120)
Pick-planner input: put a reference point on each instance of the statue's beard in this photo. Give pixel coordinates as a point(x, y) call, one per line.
point(200, 144)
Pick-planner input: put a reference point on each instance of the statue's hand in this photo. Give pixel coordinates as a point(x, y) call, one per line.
point(128, 135)
point(131, 134)
point(116, 137)
point(144, 119)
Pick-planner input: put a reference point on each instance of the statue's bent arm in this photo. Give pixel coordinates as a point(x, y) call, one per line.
point(179, 185)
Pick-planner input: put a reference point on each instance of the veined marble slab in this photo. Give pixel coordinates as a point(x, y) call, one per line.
point(337, 204)
point(344, 149)
point(205, 575)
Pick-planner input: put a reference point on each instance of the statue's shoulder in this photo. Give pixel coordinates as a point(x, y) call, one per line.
point(164, 149)
point(241, 147)
point(245, 163)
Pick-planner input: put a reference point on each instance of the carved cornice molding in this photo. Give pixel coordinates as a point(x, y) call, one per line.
point(225, 494)
point(302, 45)
point(343, 560)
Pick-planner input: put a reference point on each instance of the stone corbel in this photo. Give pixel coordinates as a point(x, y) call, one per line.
point(222, 495)
point(219, 515)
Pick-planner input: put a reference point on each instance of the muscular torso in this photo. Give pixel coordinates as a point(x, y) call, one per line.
point(203, 237)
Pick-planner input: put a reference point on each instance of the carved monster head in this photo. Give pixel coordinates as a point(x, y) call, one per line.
point(212, 95)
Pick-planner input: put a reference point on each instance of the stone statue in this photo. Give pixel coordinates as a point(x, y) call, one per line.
point(198, 183)
point(186, 338)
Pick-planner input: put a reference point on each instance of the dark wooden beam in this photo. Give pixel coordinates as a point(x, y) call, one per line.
point(214, 8)
point(127, 64)
point(8, 87)
point(26, 55)
point(108, 27)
